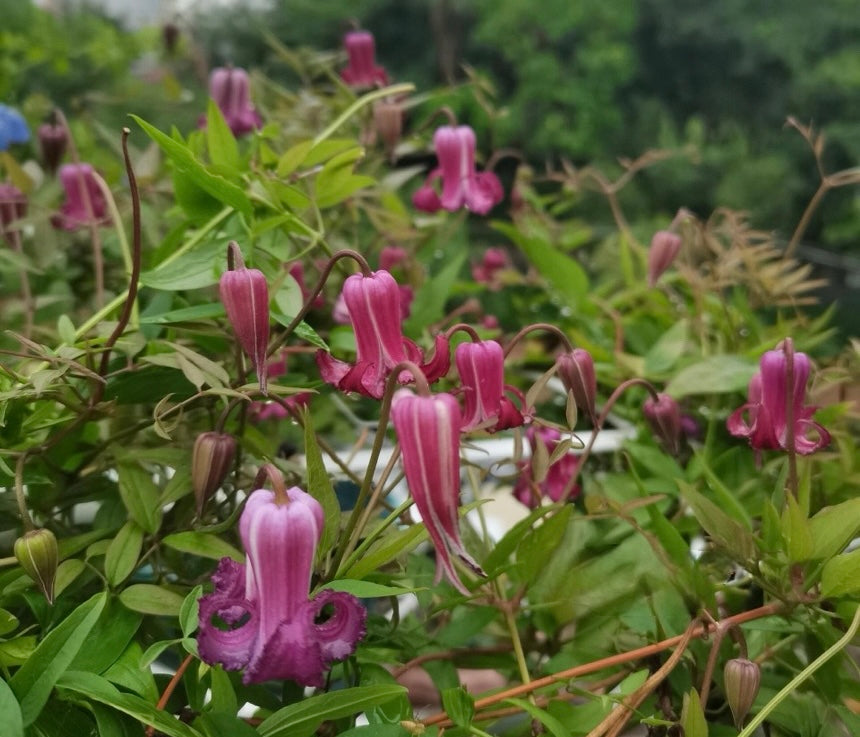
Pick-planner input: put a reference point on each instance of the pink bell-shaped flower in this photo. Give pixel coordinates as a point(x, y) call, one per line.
point(230, 88)
point(428, 429)
point(245, 295)
point(273, 630)
point(481, 366)
point(85, 203)
point(373, 304)
point(362, 70)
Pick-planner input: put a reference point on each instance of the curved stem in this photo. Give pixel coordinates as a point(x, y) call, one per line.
point(463, 327)
point(271, 472)
point(803, 223)
point(539, 326)
point(171, 686)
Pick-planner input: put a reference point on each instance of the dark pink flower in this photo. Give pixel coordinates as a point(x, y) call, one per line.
point(664, 416)
point(493, 261)
point(85, 203)
point(665, 246)
point(245, 295)
point(481, 366)
point(362, 70)
point(462, 185)
point(763, 420)
point(230, 89)
point(374, 304)
point(268, 625)
point(529, 491)
point(390, 257)
point(428, 429)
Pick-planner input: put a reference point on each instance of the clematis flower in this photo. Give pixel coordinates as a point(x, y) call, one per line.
point(664, 416)
point(245, 295)
point(259, 617)
point(462, 185)
point(534, 483)
point(428, 428)
point(13, 127)
point(664, 249)
point(576, 371)
point(84, 203)
point(481, 366)
point(374, 305)
point(493, 261)
point(229, 88)
point(763, 420)
point(362, 70)
point(13, 206)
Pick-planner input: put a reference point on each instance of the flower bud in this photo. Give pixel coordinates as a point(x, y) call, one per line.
point(576, 371)
point(53, 140)
point(742, 680)
point(211, 459)
point(664, 417)
point(388, 121)
point(13, 206)
point(36, 552)
point(663, 251)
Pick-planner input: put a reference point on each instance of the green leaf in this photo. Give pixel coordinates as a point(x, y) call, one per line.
point(127, 673)
point(10, 712)
point(841, 575)
point(795, 530)
point(715, 375)
point(664, 354)
point(377, 730)
point(186, 314)
point(365, 589)
point(140, 495)
point(302, 718)
point(8, 622)
point(320, 487)
point(189, 613)
point(540, 543)
point(554, 726)
point(429, 303)
point(293, 158)
point(693, 716)
point(35, 680)
point(100, 689)
point(730, 534)
point(108, 639)
point(459, 705)
point(67, 572)
point(204, 544)
point(185, 163)
point(223, 695)
point(386, 550)
point(123, 552)
point(833, 528)
point(147, 598)
point(194, 269)
point(220, 724)
point(220, 142)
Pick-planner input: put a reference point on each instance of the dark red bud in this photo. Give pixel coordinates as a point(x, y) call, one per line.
point(211, 459)
point(576, 371)
point(53, 141)
point(664, 417)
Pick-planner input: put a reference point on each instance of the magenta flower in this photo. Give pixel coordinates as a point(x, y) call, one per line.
point(362, 70)
point(493, 261)
point(528, 489)
point(245, 295)
point(664, 249)
point(763, 420)
point(481, 366)
point(13, 206)
point(428, 428)
point(462, 185)
point(85, 203)
point(259, 617)
point(374, 305)
point(390, 257)
point(230, 89)
point(664, 416)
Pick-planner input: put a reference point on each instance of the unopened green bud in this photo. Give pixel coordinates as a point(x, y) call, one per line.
point(210, 462)
point(36, 551)
point(742, 680)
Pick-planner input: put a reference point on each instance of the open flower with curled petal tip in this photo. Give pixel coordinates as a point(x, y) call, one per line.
point(259, 617)
point(373, 303)
point(462, 185)
point(428, 428)
point(481, 366)
point(535, 482)
point(764, 420)
point(362, 70)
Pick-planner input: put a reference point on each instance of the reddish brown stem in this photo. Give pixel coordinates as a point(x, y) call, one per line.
point(171, 687)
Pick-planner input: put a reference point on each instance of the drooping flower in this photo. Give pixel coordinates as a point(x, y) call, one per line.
point(362, 70)
point(374, 306)
point(493, 261)
point(462, 185)
point(85, 203)
point(535, 480)
point(664, 248)
point(259, 617)
point(53, 141)
point(428, 428)
point(245, 295)
point(13, 127)
point(230, 89)
point(664, 416)
point(481, 366)
point(763, 420)
point(13, 206)
point(576, 371)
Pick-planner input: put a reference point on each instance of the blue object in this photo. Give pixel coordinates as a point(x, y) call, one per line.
point(13, 127)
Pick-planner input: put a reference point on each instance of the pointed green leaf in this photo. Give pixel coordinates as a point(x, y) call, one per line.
point(320, 487)
point(123, 552)
point(727, 532)
point(147, 598)
point(220, 142)
point(10, 712)
point(204, 544)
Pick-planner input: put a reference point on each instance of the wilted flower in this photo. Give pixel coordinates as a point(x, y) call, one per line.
point(388, 121)
point(362, 70)
point(13, 127)
point(768, 399)
point(230, 89)
point(493, 261)
point(53, 141)
point(462, 185)
point(428, 428)
point(374, 304)
point(664, 416)
point(245, 295)
point(13, 206)
point(576, 371)
point(536, 479)
point(481, 366)
point(259, 617)
point(37, 553)
point(211, 459)
point(85, 203)
point(665, 246)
